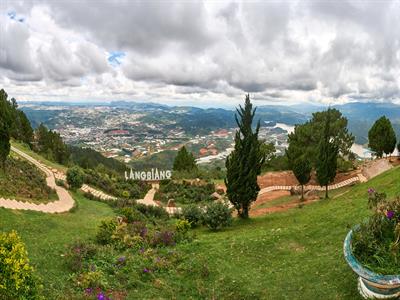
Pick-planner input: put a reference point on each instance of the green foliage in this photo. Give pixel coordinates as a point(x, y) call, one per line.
point(268, 151)
point(184, 161)
point(17, 278)
point(306, 136)
point(244, 163)
point(381, 137)
point(88, 158)
point(106, 231)
point(193, 214)
point(344, 165)
point(76, 254)
point(114, 184)
point(50, 144)
point(4, 144)
point(299, 163)
point(23, 181)
point(185, 192)
point(376, 242)
point(217, 215)
point(75, 177)
point(131, 214)
point(13, 121)
point(327, 155)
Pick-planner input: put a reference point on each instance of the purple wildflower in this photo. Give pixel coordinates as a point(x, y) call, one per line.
point(141, 250)
point(145, 270)
point(121, 259)
point(371, 190)
point(390, 214)
point(101, 296)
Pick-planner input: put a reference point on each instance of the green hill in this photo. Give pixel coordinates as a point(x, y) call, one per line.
point(296, 254)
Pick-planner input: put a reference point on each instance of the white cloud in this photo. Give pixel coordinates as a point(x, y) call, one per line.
point(201, 52)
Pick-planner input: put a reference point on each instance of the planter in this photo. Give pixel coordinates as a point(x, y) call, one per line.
point(370, 284)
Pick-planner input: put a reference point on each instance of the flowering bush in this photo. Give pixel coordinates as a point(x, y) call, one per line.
point(106, 231)
point(376, 243)
point(16, 275)
point(77, 253)
point(217, 215)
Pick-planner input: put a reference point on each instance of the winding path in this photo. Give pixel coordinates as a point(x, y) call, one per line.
point(64, 203)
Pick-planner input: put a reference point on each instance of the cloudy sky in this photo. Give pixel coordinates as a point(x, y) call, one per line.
point(207, 53)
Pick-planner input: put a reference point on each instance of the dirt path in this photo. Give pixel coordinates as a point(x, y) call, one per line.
point(64, 203)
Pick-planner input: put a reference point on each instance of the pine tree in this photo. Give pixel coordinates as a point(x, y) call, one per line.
point(245, 162)
point(327, 154)
point(381, 137)
point(184, 161)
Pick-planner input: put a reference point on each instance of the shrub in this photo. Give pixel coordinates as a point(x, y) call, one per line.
point(106, 230)
point(152, 211)
point(131, 215)
point(217, 215)
point(60, 182)
point(75, 177)
point(77, 253)
point(193, 214)
point(17, 279)
point(163, 238)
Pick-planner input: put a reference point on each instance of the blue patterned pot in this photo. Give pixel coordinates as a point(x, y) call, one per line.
point(370, 284)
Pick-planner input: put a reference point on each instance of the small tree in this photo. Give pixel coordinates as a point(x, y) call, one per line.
point(301, 168)
point(245, 162)
point(326, 158)
point(298, 159)
point(184, 161)
point(381, 137)
point(75, 177)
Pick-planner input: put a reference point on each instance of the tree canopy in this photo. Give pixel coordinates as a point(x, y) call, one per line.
point(381, 137)
point(184, 161)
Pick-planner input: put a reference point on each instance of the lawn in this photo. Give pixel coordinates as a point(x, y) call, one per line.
point(296, 254)
point(46, 235)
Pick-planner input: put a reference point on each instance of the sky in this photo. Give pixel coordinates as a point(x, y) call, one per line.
point(204, 53)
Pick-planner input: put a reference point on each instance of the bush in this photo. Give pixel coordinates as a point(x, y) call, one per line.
point(75, 177)
point(77, 253)
point(217, 215)
point(344, 165)
point(152, 211)
point(17, 279)
point(106, 231)
point(193, 214)
point(131, 215)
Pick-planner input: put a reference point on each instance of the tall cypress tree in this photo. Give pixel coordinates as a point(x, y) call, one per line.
point(327, 155)
point(245, 162)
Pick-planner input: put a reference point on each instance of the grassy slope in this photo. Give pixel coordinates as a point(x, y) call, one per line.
point(296, 254)
point(38, 157)
point(292, 255)
point(45, 236)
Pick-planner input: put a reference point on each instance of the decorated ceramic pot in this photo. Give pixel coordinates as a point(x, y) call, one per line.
point(370, 284)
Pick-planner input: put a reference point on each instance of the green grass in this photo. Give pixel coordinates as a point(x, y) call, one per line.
point(295, 254)
point(46, 235)
point(38, 157)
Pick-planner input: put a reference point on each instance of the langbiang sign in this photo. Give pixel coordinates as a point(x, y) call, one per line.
point(152, 175)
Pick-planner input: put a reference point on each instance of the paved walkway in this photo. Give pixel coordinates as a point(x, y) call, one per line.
point(341, 184)
point(63, 204)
